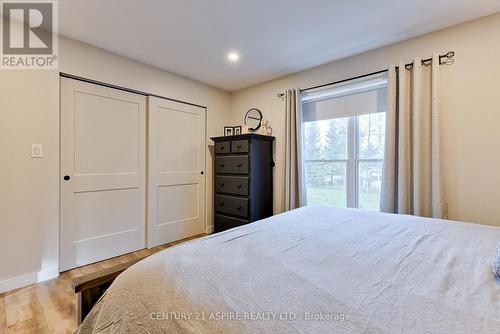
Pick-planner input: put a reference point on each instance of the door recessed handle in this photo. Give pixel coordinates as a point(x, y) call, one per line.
point(202, 172)
point(66, 177)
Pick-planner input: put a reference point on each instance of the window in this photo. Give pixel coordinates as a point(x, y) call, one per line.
point(343, 144)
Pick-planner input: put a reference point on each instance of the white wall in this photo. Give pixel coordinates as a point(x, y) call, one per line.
point(469, 102)
point(29, 113)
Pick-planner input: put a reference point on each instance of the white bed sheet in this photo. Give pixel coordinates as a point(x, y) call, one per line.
point(352, 271)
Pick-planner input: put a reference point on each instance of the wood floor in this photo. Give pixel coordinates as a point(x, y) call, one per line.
point(50, 306)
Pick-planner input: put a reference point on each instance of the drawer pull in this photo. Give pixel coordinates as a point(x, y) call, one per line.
point(239, 165)
point(222, 148)
point(222, 184)
point(240, 207)
point(221, 165)
point(222, 204)
point(239, 186)
point(239, 146)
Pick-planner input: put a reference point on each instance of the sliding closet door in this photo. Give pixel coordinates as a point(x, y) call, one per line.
point(176, 180)
point(103, 144)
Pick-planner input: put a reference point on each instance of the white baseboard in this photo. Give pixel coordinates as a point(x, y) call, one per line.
point(209, 229)
point(31, 278)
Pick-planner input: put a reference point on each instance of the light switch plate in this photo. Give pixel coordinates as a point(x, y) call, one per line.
point(36, 150)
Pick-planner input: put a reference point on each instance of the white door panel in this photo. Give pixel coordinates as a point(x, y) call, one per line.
point(177, 202)
point(105, 212)
point(176, 158)
point(103, 148)
point(112, 125)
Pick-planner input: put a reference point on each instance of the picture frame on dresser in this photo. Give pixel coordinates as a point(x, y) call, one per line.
point(243, 180)
point(228, 130)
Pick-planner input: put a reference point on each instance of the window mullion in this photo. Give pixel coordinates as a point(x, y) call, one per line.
point(356, 164)
point(351, 163)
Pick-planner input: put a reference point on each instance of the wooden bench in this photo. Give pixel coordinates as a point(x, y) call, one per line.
point(92, 286)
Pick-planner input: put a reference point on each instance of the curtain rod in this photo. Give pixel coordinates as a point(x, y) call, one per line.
point(448, 56)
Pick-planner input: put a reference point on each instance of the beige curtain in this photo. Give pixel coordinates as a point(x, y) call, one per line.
point(412, 177)
point(294, 195)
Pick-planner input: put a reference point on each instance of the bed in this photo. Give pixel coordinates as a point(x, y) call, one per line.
point(316, 269)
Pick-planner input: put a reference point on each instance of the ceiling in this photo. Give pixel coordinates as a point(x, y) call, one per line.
point(273, 37)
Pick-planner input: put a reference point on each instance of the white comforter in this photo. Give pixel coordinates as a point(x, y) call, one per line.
point(314, 270)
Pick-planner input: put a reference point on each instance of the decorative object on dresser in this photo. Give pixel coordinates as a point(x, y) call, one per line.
point(237, 130)
point(266, 129)
point(243, 182)
point(253, 119)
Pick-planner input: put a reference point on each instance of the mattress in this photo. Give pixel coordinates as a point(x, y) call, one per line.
point(316, 269)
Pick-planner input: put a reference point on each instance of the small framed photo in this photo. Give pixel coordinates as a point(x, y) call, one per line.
point(237, 130)
point(228, 131)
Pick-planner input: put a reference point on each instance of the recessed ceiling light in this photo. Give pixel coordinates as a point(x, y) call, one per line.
point(233, 57)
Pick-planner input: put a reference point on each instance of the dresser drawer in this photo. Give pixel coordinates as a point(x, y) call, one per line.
point(223, 223)
point(236, 185)
point(239, 146)
point(223, 147)
point(232, 165)
point(231, 205)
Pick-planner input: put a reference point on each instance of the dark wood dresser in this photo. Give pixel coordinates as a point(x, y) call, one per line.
point(243, 183)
